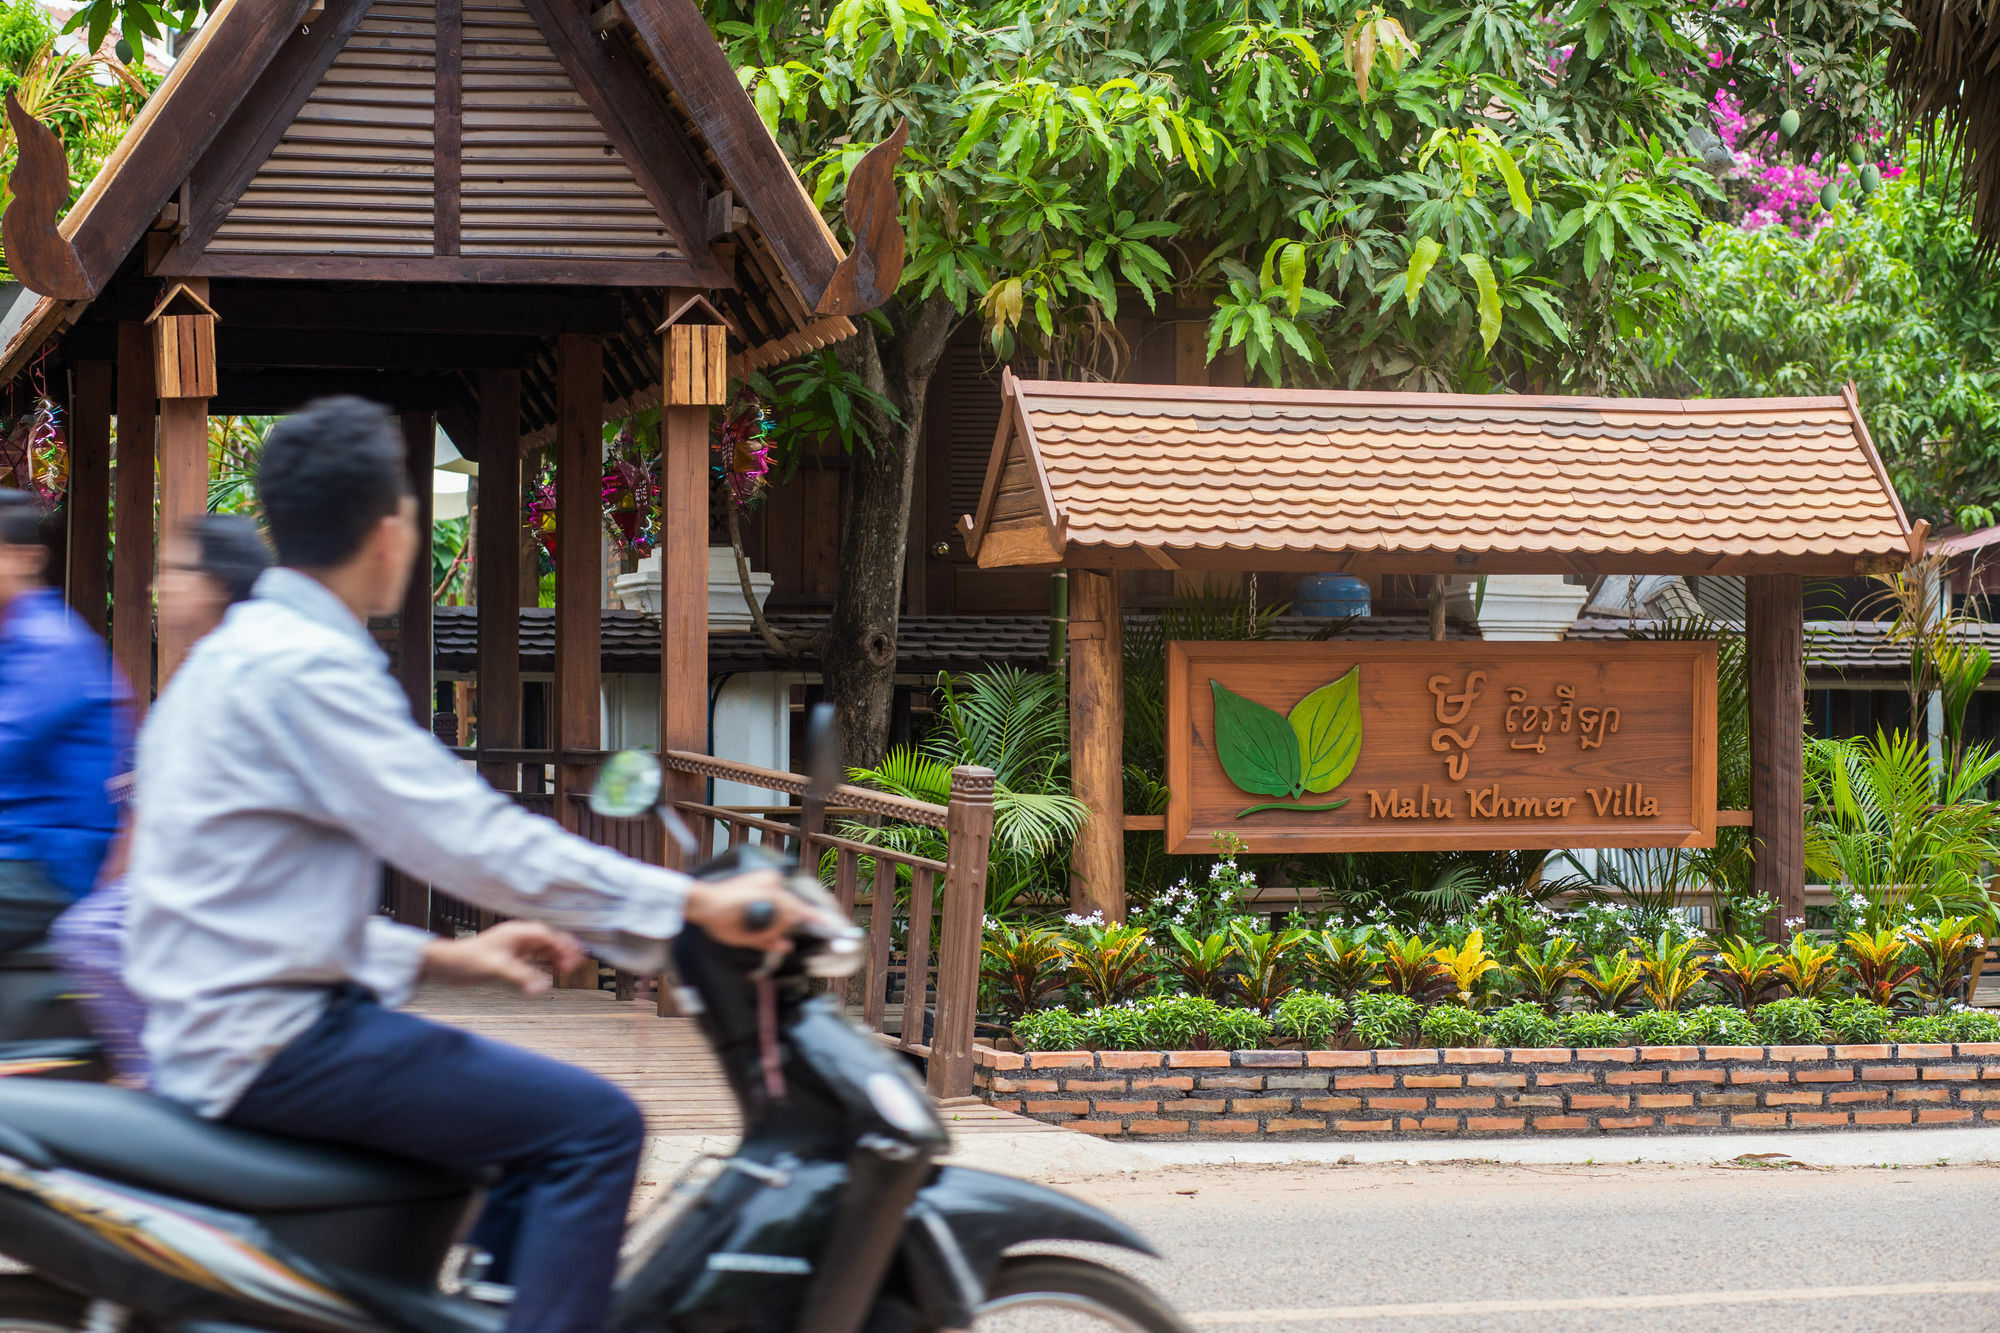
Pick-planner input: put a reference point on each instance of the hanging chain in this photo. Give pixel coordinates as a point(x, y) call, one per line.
point(1253, 602)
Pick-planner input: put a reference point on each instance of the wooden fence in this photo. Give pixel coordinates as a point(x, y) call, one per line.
point(945, 901)
point(940, 906)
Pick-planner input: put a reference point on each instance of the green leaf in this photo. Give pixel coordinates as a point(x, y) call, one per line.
point(1257, 747)
point(1421, 258)
point(1292, 267)
point(1517, 189)
point(1489, 297)
point(1327, 724)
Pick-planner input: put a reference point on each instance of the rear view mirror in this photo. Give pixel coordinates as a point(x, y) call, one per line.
point(627, 786)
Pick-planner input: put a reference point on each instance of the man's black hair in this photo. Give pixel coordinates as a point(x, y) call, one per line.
point(328, 475)
point(22, 523)
point(230, 550)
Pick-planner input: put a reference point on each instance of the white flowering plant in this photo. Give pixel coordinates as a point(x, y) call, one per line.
point(1206, 907)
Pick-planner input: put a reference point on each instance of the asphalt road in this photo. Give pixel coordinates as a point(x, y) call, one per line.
point(1742, 1248)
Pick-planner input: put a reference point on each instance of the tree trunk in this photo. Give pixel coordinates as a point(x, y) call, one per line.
point(859, 652)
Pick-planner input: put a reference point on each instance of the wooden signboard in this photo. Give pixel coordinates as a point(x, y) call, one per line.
point(1404, 746)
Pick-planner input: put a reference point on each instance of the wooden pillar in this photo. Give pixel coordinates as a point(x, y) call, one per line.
point(132, 554)
point(694, 378)
point(579, 559)
point(969, 837)
point(1777, 739)
point(183, 443)
point(498, 571)
point(684, 591)
point(414, 658)
point(90, 492)
point(1097, 742)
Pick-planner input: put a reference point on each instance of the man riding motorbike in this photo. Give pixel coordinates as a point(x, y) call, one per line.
point(206, 568)
point(278, 770)
point(64, 731)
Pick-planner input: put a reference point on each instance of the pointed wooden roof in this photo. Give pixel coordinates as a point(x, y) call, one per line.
point(461, 141)
point(1168, 477)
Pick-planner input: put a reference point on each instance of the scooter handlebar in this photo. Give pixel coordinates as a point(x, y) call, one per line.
point(826, 949)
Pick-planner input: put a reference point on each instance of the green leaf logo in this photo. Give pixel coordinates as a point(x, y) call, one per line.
point(1258, 750)
point(1312, 750)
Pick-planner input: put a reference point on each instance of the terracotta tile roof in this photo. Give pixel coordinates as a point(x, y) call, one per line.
point(1169, 476)
point(1838, 652)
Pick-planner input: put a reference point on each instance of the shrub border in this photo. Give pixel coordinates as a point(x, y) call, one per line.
point(1486, 1093)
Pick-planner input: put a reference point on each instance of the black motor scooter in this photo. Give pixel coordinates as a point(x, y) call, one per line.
point(43, 1030)
point(832, 1215)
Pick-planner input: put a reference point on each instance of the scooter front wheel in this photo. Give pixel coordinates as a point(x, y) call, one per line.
point(1046, 1293)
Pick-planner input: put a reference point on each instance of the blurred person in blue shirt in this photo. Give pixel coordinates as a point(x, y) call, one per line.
point(65, 734)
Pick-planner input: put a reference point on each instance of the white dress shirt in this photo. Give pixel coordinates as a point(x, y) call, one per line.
point(276, 774)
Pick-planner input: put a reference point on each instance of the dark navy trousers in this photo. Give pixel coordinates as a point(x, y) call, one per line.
point(567, 1142)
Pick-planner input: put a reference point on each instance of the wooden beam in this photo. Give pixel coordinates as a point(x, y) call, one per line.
point(90, 492)
point(268, 395)
point(448, 128)
point(577, 271)
point(246, 142)
point(677, 37)
point(132, 553)
point(627, 103)
point(417, 308)
point(413, 626)
point(1776, 634)
point(1097, 742)
point(579, 557)
point(684, 487)
point(498, 570)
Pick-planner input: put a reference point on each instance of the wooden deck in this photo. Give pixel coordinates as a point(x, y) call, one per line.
point(662, 1062)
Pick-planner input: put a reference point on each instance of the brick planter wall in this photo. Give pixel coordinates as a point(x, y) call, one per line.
point(1474, 1093)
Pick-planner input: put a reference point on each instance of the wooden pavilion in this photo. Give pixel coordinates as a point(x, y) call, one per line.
point(1105, 479)
point(512, 219)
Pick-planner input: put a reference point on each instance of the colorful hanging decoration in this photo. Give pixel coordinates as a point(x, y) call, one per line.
point(630, 493)
point(541, 513)
point(628, 497)
point(34, 453)
point(743, 448)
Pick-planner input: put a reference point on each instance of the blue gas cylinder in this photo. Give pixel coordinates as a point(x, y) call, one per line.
point(1331, 595)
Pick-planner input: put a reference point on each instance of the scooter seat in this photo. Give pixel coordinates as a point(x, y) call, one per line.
point(162, 1146)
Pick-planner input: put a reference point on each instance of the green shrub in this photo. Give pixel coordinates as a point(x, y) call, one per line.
point(1925, 1028)
point(1452, 1025)
point(1591, 1029)
point(1658, 1027)
point(1382, 1020)
point(1309, 1018)
point(1115, 1027)
point(1973, 1025)
point(1239, 1030)
point(1721, 1025)
point(1050, 1030)
point(1177, 1022)
point(1793, 1022)
point(1858, 1020)
point(1522, 1024)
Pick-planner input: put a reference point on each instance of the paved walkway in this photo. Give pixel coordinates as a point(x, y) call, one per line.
point(670, 1072)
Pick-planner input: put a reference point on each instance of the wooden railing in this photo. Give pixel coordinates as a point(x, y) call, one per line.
point(946, 901)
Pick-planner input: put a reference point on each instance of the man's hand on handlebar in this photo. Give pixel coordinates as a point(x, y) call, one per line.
point(513, 951)
point(752, 911)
